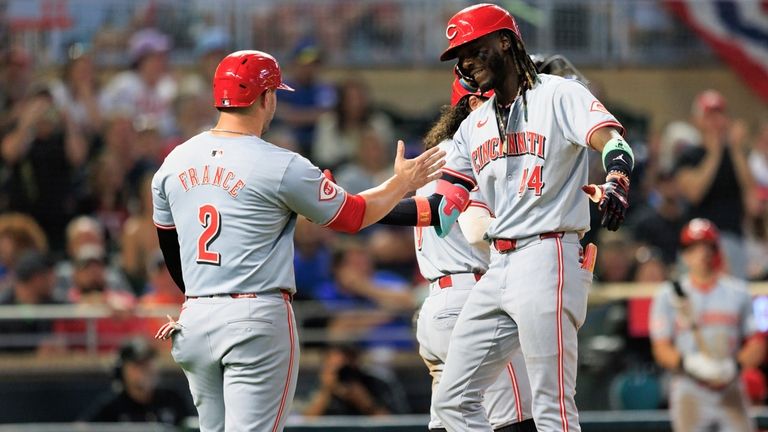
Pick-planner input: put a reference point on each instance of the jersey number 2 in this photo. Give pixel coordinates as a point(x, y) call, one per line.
point(533, 181)
point(210, 219)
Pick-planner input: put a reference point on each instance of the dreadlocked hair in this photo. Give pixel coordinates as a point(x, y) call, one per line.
point(525, 68)
point(448, 123)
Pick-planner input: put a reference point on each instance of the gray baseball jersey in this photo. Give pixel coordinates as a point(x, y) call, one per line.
point(453, 254)
point(724, 316)
point(532, 299)
point(233, 202)
point(525, 176)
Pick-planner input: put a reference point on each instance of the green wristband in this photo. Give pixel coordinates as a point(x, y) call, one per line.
point(616, 148)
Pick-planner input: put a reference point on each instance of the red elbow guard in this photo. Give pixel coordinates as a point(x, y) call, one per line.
point(349, 218)
point(453, 193)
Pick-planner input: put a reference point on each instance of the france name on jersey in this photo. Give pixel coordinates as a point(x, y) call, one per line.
point(453, 254)
point(233, 202)
point(532, 177)
point(723, 315)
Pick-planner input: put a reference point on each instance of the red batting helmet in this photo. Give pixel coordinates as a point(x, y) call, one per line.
point(703, 230)
point(242, 77)
point(475, 22)
point(461, 88)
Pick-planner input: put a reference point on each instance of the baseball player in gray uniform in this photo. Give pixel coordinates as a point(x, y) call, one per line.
point(453, 264)
point(225, 205)
point(526, 150)
point(703, 331)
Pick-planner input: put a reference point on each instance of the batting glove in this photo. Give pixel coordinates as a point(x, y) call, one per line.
point(612, 198)
point(702, 367)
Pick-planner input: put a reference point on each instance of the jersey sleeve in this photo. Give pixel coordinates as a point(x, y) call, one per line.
point(747, 315)
point(476, 199)
point(306, 191)
point(662, 319)
point(580, 114)
point(161, 208)
point(457, 162)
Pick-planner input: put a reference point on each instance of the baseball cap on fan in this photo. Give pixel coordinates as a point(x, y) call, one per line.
point(709, 101)
point(146, 42)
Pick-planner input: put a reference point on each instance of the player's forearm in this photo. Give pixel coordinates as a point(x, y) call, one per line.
point(753, 352)
point(381, 199)
point(169, 246)
point(666, 355)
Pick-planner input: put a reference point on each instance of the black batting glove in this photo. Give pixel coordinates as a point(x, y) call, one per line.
point(612, 198)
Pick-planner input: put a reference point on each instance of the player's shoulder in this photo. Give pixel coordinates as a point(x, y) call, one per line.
point(733, 284)
point(558, 85)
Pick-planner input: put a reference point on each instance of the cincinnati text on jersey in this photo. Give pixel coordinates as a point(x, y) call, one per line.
point(517, 144)
point(209, 176)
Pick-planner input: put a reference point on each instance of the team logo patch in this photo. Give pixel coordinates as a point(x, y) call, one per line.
point(598, 107)
point(328, 190)
point(451, 31)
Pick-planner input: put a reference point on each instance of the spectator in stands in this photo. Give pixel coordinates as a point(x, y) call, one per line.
point(312, 260)
point(657, 225)
point(15, 78)
point(371, 166)
point(139, 239)
point(33, 286)
point(82, 232)
point(615, 260)
point(338, 136)
point(77, 91)
point(301, 109)
point(161, 290)
point(136, 396)
point(650, 265)
point(19, 233)
point(346, 387)
point(714, 177)
point(147, 88)
point(366, 304)
point(757, 228)
point(42, 156)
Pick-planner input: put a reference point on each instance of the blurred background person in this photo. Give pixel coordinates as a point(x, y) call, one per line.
point(34, 282)
point(370, 166)
point(311, 98)
point(136, 395)
point(77, 91)
point(714, 176)
point(84, 232)
point(147, 88)
point(138, 240)
point(43, 155)
point(338, 135)
point(346, 387)
point(658, 223)
point(19, 233)
point(16, 74)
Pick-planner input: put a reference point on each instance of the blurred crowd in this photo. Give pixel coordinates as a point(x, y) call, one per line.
point(78, 147)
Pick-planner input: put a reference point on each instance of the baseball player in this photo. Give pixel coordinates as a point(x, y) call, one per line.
point(453, 265)
point(703, 331)
point(526, 150)
point(225, 205)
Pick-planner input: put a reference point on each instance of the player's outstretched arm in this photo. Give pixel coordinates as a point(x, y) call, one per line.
point(410, 174)
point(612, 197)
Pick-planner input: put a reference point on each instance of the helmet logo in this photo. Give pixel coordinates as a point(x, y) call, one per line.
point(225, 102)
point(451, 34)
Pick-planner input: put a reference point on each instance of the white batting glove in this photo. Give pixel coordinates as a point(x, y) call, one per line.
point(167, 330)
point(728, 372)
point(703, 368)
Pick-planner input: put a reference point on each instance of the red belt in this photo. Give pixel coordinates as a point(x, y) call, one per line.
point(285, 293)
point(447, 282)
point(504, 246)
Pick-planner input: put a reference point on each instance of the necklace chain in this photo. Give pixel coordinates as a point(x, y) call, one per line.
point(231, 131)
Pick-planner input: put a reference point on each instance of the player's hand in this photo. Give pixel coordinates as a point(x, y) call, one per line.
point(167, 329)
point(612, 198)
point(420, 170)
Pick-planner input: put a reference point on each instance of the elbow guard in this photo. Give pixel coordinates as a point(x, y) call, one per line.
point(349, 218)
point(455, 199)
